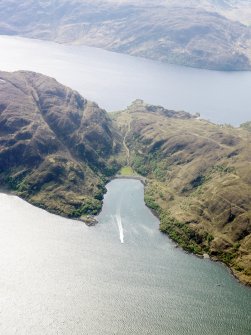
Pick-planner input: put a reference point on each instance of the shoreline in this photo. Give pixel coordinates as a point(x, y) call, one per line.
point(140, 178)
point(12, 193)
point(143, 180)
point(213, 259)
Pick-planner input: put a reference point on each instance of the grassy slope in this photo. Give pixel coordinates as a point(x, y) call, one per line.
point(198, 181)
point(57, 150)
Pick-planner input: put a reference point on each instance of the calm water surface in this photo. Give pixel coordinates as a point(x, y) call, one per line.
point(115, 80)
point(58, 276)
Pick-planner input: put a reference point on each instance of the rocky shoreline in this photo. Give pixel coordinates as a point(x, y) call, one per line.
point(89, 220)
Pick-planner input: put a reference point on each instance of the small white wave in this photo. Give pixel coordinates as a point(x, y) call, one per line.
point(120, 227)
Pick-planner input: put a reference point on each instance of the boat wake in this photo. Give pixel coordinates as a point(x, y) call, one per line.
point(117, 219)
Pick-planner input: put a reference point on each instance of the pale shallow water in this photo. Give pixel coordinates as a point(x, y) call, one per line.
point(115, 80)
point(58, 276)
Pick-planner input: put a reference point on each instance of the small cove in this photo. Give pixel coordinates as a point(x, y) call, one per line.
point(57, 275)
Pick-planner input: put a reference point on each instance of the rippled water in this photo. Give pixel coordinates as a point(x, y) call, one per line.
point(115, 80)
point(58, 276)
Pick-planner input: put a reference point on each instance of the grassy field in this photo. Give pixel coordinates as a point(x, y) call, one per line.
point(127, 171)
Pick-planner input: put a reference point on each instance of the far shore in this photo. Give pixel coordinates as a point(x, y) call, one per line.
point(140, 178)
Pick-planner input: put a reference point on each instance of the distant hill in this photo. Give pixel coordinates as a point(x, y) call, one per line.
point(205, 34)
point(58, 150)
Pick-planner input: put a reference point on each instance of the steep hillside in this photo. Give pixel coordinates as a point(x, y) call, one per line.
point(198, 180)
point(55, 146)
point(193, 33)
point(58, 150)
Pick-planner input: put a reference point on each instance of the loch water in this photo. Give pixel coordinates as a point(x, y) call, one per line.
point(122, 276)
point(114, 80)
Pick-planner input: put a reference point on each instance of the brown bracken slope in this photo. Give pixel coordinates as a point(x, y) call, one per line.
point(58, 150)
point(197, 33)
point(198, 180)
point(55, 146)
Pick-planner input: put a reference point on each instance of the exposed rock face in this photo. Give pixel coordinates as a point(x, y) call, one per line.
point(193, 33)
point(54, 144)
point(198, 180)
